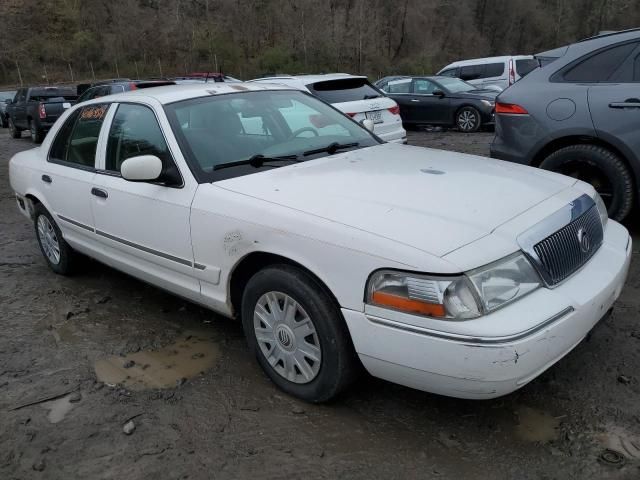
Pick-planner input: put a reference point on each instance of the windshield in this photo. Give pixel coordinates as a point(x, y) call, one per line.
point(229, 128)
point(455, 85)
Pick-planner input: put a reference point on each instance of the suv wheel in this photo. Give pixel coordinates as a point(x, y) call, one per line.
point(13, 130)
point(601, 168)
point(468, 120)
point(297, 333)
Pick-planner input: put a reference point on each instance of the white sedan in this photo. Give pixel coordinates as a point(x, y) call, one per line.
point(450, 273)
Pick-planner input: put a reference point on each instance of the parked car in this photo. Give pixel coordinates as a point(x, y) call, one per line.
point(450, 273)
point(500, 72)
point(110, 87)
point(578, 115)
point(6, 98)
point(445, 101)
point(353, 95)
point(37, 108)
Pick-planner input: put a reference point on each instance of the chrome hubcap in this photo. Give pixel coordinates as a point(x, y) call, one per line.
point(466, 120)
point(48, 239)
point(287, 337)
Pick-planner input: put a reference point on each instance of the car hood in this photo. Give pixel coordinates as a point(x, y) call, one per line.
point(432, 200)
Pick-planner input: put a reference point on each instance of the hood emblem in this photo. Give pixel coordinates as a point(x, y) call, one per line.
point(584, 240)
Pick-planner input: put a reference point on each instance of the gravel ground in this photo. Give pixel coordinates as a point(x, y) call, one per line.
point(66, 340)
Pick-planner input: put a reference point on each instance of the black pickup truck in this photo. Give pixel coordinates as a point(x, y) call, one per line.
point(37, 108)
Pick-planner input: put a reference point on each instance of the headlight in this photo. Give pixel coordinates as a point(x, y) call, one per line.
point(462, 297)
point(602, 209)
point(488, 103)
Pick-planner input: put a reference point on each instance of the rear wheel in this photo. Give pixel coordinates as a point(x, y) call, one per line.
point(60, 257)
point(13, 130)
point(37, 135)
point(468, 120)
point(297, 333)
point(603, 169)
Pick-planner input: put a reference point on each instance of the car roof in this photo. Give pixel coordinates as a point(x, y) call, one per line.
point(582, 47)
point(480, 61)
point(306, 79)
point(175, 93)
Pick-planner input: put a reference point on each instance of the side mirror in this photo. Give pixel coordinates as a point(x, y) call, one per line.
point(368, 124)
point(143, 168)
point(438, 93)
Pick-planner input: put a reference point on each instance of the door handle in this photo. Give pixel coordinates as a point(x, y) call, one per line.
point(415, 100)
point(46, 179)
point(98, 192)
point(628, 103)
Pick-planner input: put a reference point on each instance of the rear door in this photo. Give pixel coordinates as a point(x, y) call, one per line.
point(401, 92)
point(356, 97)
point(67, 179)
point(614, 95)
point(429, 108)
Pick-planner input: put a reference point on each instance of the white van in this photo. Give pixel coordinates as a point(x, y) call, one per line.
point(353, 95)
point(491, 72)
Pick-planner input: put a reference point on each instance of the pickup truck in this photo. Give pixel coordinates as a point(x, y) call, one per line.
point(37, 108)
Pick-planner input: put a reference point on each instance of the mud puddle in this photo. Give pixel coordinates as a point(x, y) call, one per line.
point(622, 441)
point(59, 408)
point(536, 426)
point(167, 367)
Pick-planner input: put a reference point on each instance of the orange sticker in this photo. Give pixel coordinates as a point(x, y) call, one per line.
point(93, 113)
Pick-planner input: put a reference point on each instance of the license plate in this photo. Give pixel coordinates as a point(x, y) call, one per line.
point(375, 115)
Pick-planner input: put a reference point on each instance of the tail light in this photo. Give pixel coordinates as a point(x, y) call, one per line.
point(42, 113)
point(352, 114)
point(132, 86)
point(512, 73)
point(510, 109)
point(395, 110)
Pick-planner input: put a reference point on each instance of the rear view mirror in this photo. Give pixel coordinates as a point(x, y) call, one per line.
point(438, 93)
point(368, 124)
point(142, 168)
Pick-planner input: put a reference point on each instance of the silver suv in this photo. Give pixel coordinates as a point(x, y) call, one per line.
point(578, 114)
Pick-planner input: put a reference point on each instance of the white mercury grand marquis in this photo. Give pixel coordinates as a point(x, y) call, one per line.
point(455, 274)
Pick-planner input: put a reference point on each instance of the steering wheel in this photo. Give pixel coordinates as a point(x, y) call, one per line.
point(297, 132)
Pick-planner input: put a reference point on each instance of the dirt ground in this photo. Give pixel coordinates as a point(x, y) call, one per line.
point(200, 407)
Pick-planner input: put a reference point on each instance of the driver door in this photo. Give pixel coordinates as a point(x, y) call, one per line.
point(144, 226)
point(429, 108)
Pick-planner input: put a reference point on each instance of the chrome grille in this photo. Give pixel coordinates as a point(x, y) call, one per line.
point(565, 251)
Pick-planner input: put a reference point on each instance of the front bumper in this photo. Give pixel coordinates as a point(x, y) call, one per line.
point(396, 136)
point(494, 360)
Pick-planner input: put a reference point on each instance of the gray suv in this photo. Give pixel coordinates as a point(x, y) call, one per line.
point(579, 114)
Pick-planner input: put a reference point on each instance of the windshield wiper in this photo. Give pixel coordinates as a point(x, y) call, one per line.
point(258, 161)
point(331, 148)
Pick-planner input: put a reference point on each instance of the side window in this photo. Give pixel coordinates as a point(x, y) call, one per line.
point(471, 72)
point(135, 131)
point(601, 66)
point(399, 86)
point(493, 70)
point(452, 72)
point(423, 87)
point(87, 95)
point(77, 139)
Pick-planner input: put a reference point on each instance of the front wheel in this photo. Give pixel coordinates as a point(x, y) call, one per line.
point(60, 257)
point(297, 333)
point(468, 120)
point(603, 169)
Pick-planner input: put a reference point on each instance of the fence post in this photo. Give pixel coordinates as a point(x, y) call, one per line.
point(46, 75)
point(93, 73)
point(19, 73)
point(135, 62)
point(71, 72)
point(160, 67)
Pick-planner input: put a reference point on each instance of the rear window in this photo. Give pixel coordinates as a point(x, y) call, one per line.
point(526, 66)
point(44, 95)
point(601, 66)
point(344, 90)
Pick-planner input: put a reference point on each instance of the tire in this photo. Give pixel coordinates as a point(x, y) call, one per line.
point(37, 135)
point(67, 257)
point(600, 167)
point(468, 120)
point(315, 337)
point(13, 130)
